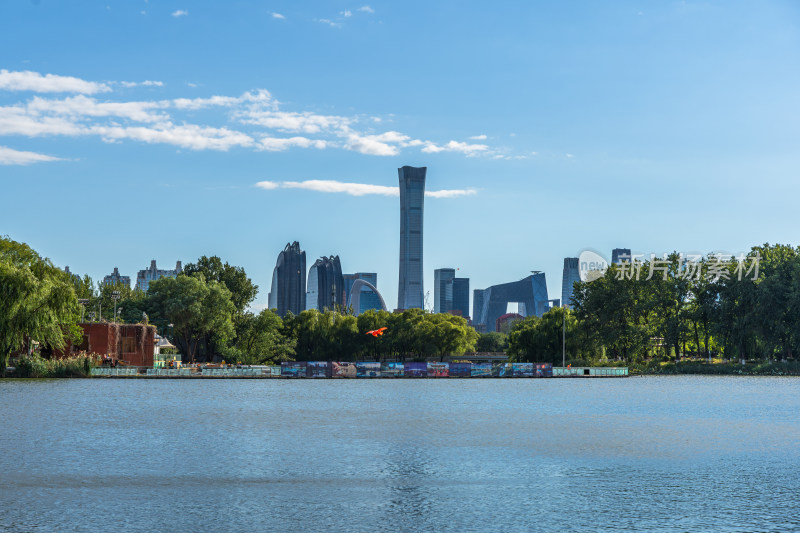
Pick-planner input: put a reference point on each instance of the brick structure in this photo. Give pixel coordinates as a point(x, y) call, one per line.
point(133, 344)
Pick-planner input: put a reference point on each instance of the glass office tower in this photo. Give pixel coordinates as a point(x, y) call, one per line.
point(412, 198)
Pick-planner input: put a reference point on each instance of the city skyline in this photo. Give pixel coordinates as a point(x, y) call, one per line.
point(624, 125)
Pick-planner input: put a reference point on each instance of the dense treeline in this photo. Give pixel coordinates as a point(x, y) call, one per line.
point(656, 310)
point(745, 308)
point(205, 311)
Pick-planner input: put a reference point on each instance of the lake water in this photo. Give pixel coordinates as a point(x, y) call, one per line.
point(639, 454)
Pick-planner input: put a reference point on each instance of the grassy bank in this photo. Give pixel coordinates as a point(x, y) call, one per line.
point(36, 367)
point(718, 367)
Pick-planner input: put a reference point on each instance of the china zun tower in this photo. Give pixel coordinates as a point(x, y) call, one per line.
point(412, 197)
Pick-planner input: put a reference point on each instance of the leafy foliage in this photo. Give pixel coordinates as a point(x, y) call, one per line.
point(37, 301)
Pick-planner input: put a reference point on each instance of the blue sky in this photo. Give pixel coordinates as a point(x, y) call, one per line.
point(137, 130)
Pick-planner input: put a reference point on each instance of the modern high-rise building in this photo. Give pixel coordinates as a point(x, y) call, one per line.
point(450, 294)
point(412, 198)
point(368, 295)
point(116, 279)
point(461, 297)
point(530, 293)
point(620, 254)
point(443, 289)
point(326, 287)
point(477, 307)
point(144, 277)
point(571, 274)
point(288, 290)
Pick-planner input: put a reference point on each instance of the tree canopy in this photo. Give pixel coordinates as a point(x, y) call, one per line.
point(37, 301)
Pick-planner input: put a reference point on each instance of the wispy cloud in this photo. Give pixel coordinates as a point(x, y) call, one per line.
point(180, 13)
point(456, 146)
point(277, 144)
point(49, 83)
point(9, 156)
point(255, 120)
point(278, 16)
point(330, 23)
point(451, 193)
point(355, 189)
point(347, 13)
point(146, 83)
point(366, 9)
point(478, 137)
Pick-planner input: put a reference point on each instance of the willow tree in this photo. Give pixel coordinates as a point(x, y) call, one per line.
point(37, 301)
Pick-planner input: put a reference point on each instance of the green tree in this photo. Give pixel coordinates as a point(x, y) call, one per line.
point(494, 341)
point(37, 301)
point(199, 310)
point(243, 290)
point(261, 340)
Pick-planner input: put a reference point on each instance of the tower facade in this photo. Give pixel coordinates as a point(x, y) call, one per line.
point(461, 297)
point(412, 198)
point(570, 276)
point(326, 287)
point(288, 291)
point(144, 277)
point(443, 289)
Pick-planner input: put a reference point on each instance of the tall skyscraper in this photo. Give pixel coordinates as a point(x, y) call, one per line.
point(443, 289)
point(461, 297)
point(115, 278)
point(326, 287)
point(288, 291)
point(144, 277)
point(450, 294)
point(570, 276)
point(412, 198)
point(620, 254)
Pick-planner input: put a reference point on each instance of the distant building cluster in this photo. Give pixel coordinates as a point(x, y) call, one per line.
point(144, 277)
point(115, 278)
point(324, 286)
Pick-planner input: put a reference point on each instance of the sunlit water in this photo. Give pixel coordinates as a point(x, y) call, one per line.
point(639, 454)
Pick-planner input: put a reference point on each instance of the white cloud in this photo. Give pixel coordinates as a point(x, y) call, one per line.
point(287, 121)
point(146, 83)
point(275, 144)
point(260, 96)
point(355, 189)
point(330, 23)
point(261, 123)
point(9, 156)
point(49, 83)
point(369, 145)
point(570, 156)
point(189, 136)
point(347, 13)
point(455, 146)
point(278, 16)
point(180, 13)
point(450, 193)
point(366, 9)
point(268, 185)
point(17, 120)
point(89, 107)
point(478, 137)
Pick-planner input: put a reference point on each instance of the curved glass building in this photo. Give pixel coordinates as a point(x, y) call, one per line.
point(412, 200)
point(288, 291)
point(326, 288)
